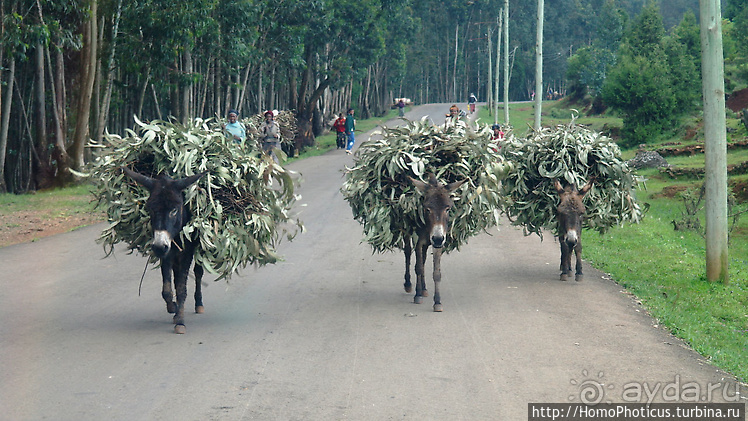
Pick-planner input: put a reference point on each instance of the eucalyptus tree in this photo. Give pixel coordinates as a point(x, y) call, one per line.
point(32, 29)
point(163, 35)
point(340, 38)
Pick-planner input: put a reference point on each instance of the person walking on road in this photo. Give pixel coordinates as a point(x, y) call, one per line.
point(401, 107)
point(339, 127)
point(270, 135)
point(471, 103)
point(350, 127)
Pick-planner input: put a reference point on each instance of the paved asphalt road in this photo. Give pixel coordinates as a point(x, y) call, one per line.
point(329, 334)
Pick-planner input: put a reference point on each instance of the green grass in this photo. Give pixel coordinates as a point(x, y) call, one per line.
point(51, 203)
point(326, 142)
point(522, 116)
point(664, 268)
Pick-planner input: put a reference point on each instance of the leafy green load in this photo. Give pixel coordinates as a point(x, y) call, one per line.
point(286, 121)
point(385, 202)
point(573, 154)
point(239, 208)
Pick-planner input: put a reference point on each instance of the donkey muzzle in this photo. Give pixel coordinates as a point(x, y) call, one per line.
point(161, 243)
point(437, 236)
point(571, 238)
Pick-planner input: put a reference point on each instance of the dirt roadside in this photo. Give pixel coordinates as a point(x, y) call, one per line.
point(30, 225)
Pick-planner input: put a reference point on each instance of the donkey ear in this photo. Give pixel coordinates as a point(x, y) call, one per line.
point(455, 185)
point(141, 179)
point(586, 187)
point(558, 186)
point(183, 183)
point(420, 185)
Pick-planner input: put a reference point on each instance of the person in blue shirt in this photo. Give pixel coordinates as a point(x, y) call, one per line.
point(234, 129)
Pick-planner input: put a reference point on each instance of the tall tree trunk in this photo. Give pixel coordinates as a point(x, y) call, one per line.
point(143, 92)
point(506, 62)
point(88, 68)
point(40, 109)
point(61, 93)
point(59, 152)
point(5, 120)
point(454, 66)
point(498, 68)
point(104, 110)
point(187, 88)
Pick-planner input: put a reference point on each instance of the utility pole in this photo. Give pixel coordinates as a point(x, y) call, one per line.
point(489, 86)
point(498, 56)
point(506, 62)
point(713, 80)
point(539, 66)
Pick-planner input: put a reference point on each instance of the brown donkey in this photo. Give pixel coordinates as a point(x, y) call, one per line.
point(570, 214)
point(436, 204)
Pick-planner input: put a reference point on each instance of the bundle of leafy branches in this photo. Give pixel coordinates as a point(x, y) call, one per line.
point(386, 203)
point(286, 121)
point(572, 154)
point(240, 208)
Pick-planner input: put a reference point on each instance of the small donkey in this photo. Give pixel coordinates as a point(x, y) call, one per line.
point(436, 204)
point(168, 216)
point(570, 214)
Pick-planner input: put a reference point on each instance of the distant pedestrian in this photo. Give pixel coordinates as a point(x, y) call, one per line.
point(339, 127)
point(350, 128)
point(401, 107)
point(471, 103)
point(234, 129)
point(270, 135)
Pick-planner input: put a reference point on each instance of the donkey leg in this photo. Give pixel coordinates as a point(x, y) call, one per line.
point(420, 260)
point(166, 291)
point(565, 260)
point(578, 254)
point(408, 250)
point(181, 271)
point(199, 288)
point(424, 289)
point(437, 279)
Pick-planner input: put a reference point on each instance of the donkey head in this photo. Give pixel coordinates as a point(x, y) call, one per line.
point(436, 205)
point(570, 211)
point(165, 206)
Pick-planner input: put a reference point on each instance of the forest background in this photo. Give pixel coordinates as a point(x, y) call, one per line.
point(72, 70)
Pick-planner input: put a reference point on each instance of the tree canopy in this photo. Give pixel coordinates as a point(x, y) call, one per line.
point(72, 69)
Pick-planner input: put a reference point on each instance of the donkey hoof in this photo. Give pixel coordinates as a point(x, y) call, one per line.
point(199, 309)
point(180, 329)
point(564, 277)
point(171, 307)
point(438, 308)
point(579, 277)
point(408, 288)
point(418, 299)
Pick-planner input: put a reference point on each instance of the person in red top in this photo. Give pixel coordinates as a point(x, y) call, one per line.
point(339, 127)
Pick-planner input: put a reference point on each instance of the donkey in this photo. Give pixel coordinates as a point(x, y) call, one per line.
point(168, 216)
point(436, 205)
point(569, 214)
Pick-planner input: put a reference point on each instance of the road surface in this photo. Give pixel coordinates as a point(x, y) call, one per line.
point(328, 334)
